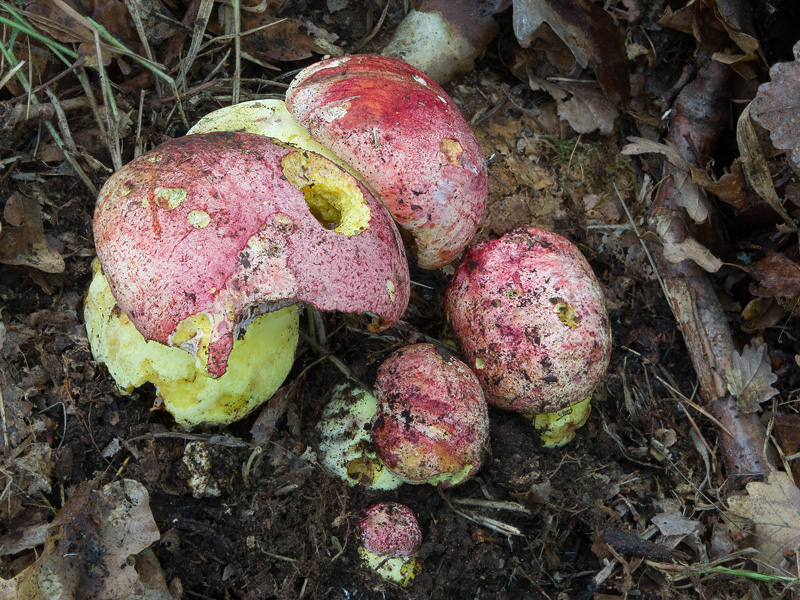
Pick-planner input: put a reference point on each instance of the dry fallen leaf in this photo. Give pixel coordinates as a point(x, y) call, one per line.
point(24, 243)
point(676, 251)
point(588, 31)
point(774, 509)
point(754, 164)
point(689, 194)
point(715, 24)
point(678, 529)
point(776, 107)
point(776, 276)
point(787, 430)
point(89, 546)
point(585, 109)
point(750, 378)
point(730, 187)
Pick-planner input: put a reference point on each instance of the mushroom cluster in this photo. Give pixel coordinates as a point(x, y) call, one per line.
point(289, 208)
point(209, 245)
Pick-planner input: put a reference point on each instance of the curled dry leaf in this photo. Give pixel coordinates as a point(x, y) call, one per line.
point(776, 107)
point(689, 195)
point(777, 276)
point(750, 377)
point(731, 187)
point(676, 250)
point(755, 167)
point(24, 242)
point(715, 24)
point(774, 509)
point(583, 107)
point(588, 31)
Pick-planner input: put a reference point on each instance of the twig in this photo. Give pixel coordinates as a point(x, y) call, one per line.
point(375, 30)
point(699, 117)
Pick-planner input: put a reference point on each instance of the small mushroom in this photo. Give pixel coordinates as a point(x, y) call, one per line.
point(390, 538)
point(345, 446)
point(530, 318)
point(405, 135)
point(432, 424)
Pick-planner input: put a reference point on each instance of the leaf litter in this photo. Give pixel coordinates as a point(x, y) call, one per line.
point(281, 528)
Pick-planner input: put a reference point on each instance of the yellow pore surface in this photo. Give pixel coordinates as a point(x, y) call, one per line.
point(257, 365)
point(333, 196)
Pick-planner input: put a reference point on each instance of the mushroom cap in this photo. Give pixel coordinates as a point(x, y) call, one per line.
point(530, 318)
point(432, 423)
point(206, 232)
point(406, 136)
point(390, 529)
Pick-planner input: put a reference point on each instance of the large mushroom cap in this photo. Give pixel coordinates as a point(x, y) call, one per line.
point(530, 318)
point(207, 231)
point(404, 134)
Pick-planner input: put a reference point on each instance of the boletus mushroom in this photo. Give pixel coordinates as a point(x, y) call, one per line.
point(390, 539)
point(432, 423)
point(402, 132)
point(530, 318)
point(206, 233)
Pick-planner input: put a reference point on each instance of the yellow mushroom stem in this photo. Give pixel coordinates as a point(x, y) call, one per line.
point(257, 365)
point(400, 569)
point(559, 428)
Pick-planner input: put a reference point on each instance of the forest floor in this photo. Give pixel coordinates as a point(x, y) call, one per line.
point(640, 505)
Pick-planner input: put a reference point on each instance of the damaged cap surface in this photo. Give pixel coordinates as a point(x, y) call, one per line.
point(207, 231)
point(406, 136)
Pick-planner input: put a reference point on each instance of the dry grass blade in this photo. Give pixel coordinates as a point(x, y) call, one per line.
point(203, 15)
point(133, 10)
point(8, 76)
point(237, 52)
point(8, 56)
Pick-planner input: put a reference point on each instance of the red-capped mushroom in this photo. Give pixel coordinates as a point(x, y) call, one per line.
point(405, 135)
point(390, 537)
point(432, 424)
point(530, 318)
point(206, 232)
point(390, 529)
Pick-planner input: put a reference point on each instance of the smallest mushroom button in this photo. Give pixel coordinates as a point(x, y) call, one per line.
point(390, 539)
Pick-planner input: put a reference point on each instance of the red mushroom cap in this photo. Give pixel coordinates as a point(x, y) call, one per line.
point(432, 422)
point(217, 225)
point(390, 529)
point(407, 138)
point(530, 318)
